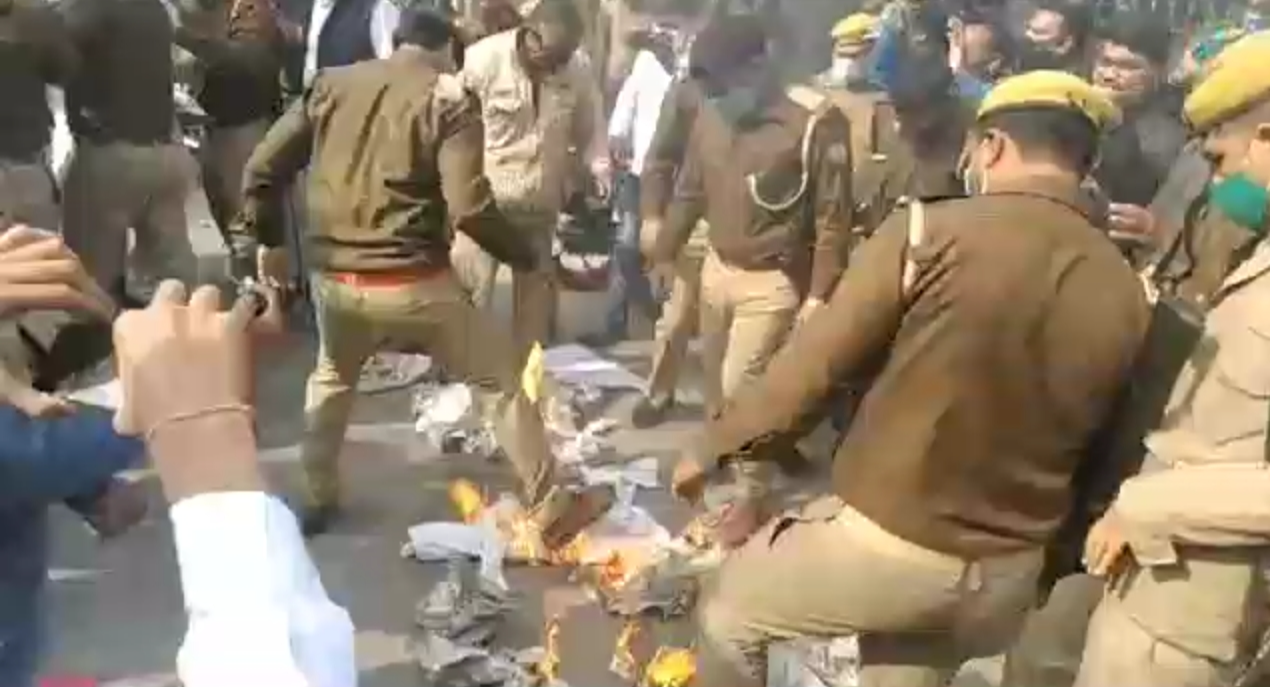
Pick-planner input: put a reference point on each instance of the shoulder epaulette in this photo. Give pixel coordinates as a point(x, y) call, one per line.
point(807, 97)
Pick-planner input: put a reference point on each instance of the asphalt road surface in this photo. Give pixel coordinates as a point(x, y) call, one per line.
point(116, 609)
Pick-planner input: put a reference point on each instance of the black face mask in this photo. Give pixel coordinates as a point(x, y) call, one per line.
point(1033, 56)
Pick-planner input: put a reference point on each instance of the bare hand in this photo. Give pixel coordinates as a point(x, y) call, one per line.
point(38, 272)
point(177, 359)
point(689, 480)
point(738, 522)
point(648, 232)
point(1132, 221)
point(808, 309)
point(185, 370)
point(273, 267)
point(1105, 547)
point(37, 404)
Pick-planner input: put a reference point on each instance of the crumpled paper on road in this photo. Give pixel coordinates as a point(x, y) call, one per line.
point(466, 607)
point(446, 664)
point(814, 663)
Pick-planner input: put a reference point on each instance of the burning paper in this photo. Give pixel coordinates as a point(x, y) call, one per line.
point(548, 668)
point(671, 668)
point(467, 500)
point(625, 664)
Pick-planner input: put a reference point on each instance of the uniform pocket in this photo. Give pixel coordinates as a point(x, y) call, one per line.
point(1232, 404)
point(503, 119)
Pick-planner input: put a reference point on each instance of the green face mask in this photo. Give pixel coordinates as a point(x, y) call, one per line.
point(1243, 200)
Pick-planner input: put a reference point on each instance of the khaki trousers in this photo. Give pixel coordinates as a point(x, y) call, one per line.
point(535, 295)
point(1121, 653)
point(746, 316)
point(113, 188)
point(224, 157)
point(432, 317)
point(1047, 652)
point(827, 571)
point(28, 194)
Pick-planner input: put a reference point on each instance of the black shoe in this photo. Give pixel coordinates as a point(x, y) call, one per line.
point(317, 520)
point(601, 341)
point(650, 413)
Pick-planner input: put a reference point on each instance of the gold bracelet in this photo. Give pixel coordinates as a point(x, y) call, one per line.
point(222, 409)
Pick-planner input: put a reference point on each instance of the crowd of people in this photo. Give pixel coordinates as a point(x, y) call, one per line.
point(1020, 269)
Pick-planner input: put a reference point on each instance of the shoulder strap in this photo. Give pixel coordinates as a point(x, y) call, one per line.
point(807, 97)
point(916, 235)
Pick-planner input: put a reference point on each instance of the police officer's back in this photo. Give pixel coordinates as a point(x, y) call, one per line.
point(396, 159)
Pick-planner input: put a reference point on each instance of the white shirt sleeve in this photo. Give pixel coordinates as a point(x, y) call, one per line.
point(622, 123)
point(258, 613)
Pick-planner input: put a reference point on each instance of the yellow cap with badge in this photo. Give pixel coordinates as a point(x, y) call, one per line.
point(1052, 89)
point(1238, 78)
point(856, 29)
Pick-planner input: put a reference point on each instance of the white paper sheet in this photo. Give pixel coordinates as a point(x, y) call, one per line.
point(581, 366)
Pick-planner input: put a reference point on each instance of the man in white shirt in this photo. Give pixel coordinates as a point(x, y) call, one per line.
point(543, 125)
point(631, 128)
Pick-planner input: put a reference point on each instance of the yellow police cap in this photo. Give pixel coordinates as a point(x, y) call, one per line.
point(856, 28)
point(1236, 79)
point(1052, 89)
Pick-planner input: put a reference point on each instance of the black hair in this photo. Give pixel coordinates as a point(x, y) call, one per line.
point(726, 43)
point(1062, 134)
point(921, 80)
point(1078, 18)
point(561, 13)
point(426, 24)
point(1144, 34)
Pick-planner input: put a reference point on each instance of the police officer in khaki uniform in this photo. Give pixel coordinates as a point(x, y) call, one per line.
point(992, 333)
point(1184, 543)
point(770, 171)
point(396, 156)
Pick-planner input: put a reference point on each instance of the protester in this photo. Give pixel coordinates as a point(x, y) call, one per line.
point(956, 471)
point(43, 460)
point(1131, 63)
point(1057, 36)
point(631, 127)
point(257, 611)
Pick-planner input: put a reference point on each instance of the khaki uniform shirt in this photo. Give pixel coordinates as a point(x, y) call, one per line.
point(776, 193)
point(538, 134)
point(1198, 516)
point(396, 158)
point(984, 380)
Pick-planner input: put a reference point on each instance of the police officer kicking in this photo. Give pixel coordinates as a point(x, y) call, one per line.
point(395, 156)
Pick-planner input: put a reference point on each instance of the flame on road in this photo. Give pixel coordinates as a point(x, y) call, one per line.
point(467, 500)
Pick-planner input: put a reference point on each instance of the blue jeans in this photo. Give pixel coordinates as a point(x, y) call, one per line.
point(43, 461)
point(628, 285)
